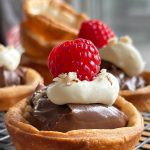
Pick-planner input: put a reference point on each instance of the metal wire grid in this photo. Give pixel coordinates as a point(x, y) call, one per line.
point(5, 141)
point(144, 144)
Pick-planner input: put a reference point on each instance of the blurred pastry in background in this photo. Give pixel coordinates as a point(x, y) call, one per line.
point(121, 58)
point(46, 24)
point(16, 82)
point(127, 64)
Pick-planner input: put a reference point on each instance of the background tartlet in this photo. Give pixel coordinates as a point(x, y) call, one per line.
point(47, 24)
point(16, 82)
point(11, 95)
point(122, 59)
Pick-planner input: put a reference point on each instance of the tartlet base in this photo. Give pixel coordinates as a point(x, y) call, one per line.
point(25, 136)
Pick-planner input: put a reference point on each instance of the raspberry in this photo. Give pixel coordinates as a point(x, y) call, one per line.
point(96, 31)
point(80, 56)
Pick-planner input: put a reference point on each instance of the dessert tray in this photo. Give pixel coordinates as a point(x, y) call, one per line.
point(144, 144)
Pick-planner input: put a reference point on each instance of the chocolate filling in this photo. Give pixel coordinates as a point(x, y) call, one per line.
point(9, 78)
point(50, 117)
point(126, 82)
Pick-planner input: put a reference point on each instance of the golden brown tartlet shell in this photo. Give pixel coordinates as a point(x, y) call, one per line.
point(140, 97)
point(25, 136)
point(11, 95)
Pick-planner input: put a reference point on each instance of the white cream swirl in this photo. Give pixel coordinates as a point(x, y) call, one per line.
point(67, 88)
point(9, 57)
point(124, 55)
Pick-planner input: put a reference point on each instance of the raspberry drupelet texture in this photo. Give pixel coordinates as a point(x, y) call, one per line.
point(96, 31)
point(80, 56)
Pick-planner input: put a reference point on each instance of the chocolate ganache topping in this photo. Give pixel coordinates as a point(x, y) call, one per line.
point(9, 78)
point(125, 82)
point(47, 116)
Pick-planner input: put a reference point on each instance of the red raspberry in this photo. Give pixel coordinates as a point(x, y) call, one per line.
point(96, 31)
point(80, 56)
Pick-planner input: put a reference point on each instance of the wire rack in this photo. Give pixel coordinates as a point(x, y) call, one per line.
point(5, 141)
point(144, 143)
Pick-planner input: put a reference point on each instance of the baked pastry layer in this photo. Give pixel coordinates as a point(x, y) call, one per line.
point(53, 16)
point(93, 139)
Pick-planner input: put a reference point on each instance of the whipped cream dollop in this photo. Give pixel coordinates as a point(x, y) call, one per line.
point(9, 57)
point(122, 53)
point(67, 88)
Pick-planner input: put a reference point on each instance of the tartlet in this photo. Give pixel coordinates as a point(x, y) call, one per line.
point(11, 95)
point(136, 87)
point(16, 82)
point(113, 139)
point(75, 91)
